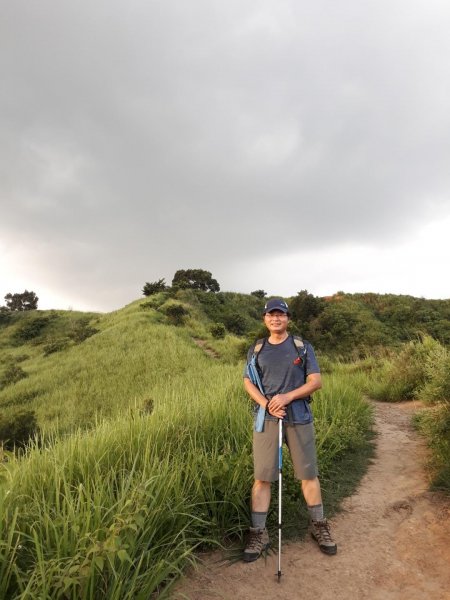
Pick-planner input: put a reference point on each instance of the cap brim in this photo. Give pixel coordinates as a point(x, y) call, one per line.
point(281, 309)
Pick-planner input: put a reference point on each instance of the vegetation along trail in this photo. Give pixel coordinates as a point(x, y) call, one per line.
point(392, 537)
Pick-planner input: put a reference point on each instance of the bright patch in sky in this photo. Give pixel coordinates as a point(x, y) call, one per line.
point(416, 267)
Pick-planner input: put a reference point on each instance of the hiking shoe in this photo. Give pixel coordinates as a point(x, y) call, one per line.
point(320, 531)
point(258, 541)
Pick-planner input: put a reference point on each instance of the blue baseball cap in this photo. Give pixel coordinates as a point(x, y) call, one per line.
point(276, 304)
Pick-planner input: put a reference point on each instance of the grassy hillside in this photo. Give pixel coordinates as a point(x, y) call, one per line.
point(147, 452)
point(132, 358)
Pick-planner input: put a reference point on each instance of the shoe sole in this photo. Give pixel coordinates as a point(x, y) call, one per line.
point(330, 550)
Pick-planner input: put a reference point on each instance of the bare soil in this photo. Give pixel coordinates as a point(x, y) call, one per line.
point(393, 537)
point(207, 349)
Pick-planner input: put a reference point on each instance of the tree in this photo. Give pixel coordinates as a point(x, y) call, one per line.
point(259, 294)
point(196, 279)
point(236, 323)
point(154, 287)
point(20, 302)
point(347, 326)
point(305, 307)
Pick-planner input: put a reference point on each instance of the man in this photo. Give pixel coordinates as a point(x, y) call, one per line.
point(288, 380)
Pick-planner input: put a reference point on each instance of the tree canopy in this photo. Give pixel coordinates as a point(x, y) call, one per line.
point(196, 279)
point(19, 302)
point(154, 287)
point(346, 322)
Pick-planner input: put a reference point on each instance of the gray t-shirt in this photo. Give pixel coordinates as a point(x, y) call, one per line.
point(281, 372)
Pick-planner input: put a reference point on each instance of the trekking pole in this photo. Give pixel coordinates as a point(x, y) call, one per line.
point(280, 468)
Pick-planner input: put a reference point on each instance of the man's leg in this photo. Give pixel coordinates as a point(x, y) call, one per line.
point(260, 503)
point(265, 455)
point(320, 528)
point(258, 540)
point(260, 496)
point(302, 446)
point(313, 497)
point(311, 491)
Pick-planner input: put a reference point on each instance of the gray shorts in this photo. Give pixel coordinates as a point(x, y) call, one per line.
point(301, 441)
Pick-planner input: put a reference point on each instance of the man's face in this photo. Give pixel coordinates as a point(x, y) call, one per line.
point(276, 321)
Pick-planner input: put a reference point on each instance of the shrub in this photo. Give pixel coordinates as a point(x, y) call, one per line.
point(176, 313)
point(155, 301)
point(218, 330)
point(55, 346)
point(81, 330)
point(434, 423)
point(5, 316)
point(242, 348)
point(22, 397)
point(21, 357)
point(17, 430)
point(12, 374)
point(148, 406)
point(31, 329)
point(236, 323)
point(154, 287)
point(401, 377)
point(212, 304)
point(14, 359)
point(437, 368)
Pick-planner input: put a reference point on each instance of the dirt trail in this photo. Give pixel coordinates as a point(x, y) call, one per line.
point(393, 537)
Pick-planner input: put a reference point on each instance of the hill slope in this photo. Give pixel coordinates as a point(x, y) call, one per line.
point(72, 367)
point(69, 368)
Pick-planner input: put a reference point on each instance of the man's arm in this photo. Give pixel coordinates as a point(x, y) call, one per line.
point(313, 383)
point(256, 395)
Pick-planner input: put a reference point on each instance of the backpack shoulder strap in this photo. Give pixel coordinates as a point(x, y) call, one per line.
point(257, 349)
point(258, 346)
point(300, 346)
point(298, 343)
point(301, 350)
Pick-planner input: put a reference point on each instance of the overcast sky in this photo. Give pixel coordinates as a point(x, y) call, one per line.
point(282, 145)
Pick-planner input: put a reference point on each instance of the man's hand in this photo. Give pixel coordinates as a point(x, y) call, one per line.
point(277, 406)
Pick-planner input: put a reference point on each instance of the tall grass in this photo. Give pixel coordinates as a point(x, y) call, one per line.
point(421, 371)
point(342, 417)
point(117, 511)
point(435, 422)
point(399, 376)
point(435, 425)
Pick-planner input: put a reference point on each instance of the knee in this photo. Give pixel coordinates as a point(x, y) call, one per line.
point(261, 484)
point(310, 481)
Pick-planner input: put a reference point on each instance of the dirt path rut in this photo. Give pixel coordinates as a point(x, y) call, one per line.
point(393, 537)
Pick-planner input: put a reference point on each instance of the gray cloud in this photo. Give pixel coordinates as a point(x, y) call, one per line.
point(142, 137)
